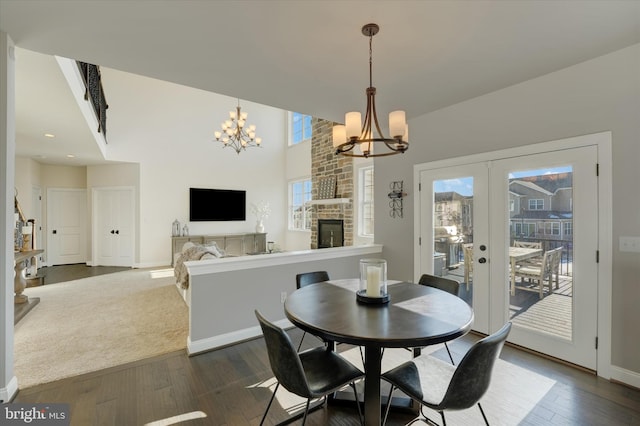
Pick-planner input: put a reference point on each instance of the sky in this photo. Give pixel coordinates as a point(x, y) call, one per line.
point(464, 185)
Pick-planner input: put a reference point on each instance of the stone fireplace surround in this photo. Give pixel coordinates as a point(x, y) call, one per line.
point(325, 163)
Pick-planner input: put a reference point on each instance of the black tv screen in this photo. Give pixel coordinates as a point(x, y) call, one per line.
point(207, 205)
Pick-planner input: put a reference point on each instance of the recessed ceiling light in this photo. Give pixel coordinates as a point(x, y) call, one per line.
point(71, 156)
point(49, 135)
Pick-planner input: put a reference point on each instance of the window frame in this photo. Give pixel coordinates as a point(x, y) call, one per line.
point(306, 209)
point(290, 132)
point(539, 203)
point(365, 204)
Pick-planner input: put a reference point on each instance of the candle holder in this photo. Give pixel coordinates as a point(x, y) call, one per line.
point(373, 282)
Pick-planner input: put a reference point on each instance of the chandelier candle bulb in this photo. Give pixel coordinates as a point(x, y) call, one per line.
point(397, 124)
point(339, 135)
point(353, 124)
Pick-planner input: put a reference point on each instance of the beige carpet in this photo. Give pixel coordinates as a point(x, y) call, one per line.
point(94, 323)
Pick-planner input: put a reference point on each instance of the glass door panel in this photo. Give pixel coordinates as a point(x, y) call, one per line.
point(453, 204)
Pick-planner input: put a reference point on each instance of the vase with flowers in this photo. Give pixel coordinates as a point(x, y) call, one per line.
point(262, 211)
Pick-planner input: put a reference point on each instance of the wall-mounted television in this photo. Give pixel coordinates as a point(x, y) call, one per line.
point(208, 205)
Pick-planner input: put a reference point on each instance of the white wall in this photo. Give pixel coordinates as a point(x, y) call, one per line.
point(172, 139)
point(598, 95)
point(298, 166)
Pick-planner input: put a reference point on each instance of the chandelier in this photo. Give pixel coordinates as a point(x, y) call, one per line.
point(355, 134)
point(235, 134)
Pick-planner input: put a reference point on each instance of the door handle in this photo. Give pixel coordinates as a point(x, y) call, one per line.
point(482, 260)
point(118, 232)
point(54, 231)
point(113, 232)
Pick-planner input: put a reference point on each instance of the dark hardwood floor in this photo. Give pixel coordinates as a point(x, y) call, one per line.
point(224, 387)
point(60, 273)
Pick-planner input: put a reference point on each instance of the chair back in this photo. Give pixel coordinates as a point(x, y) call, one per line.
point(307, 278)
point(471, 379)
point(284, 360)
point(444, 284)
point(528, 244)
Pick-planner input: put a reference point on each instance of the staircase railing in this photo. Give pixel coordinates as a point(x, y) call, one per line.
point(94, 92)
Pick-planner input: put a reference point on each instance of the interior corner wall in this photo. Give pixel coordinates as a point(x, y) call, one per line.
point(602, 94)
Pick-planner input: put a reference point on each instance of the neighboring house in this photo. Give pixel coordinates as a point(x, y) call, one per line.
point(541, 207)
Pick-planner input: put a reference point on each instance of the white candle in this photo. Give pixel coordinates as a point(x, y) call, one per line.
point(373, 281)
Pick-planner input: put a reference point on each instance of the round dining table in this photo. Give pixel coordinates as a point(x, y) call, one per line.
point(415, 316)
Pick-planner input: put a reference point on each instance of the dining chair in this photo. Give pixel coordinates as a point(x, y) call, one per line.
point(443, 387)
point(444, 284)
point(312, 374)
point(549, 267)
point(305, 279)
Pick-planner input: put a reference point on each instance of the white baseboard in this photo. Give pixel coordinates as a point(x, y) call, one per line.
point(202, 345)
point(7, 393)
point(627, 377)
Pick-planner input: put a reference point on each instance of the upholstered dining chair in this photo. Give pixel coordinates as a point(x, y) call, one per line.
point(305, 279)
point(312, 374)
point(444, 284)
point(443, 387)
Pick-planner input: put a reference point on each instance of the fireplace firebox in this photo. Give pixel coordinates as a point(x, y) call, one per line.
point(330, 233)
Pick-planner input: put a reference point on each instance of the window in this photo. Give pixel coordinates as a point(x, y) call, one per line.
point(365, 208)
point(299, 213)
point(524, 229)
point(512, 205)
point(299, 128)
point(551, 228)
point(536, 204)
point(567, 229)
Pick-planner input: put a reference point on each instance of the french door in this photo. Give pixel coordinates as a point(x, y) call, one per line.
point(472, 216)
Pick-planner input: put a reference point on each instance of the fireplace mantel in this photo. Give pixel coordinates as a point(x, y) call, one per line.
point(328, 201)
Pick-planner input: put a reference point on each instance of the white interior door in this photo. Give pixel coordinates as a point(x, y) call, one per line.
point(561, 323)
point(113, 236)
point(66, 226)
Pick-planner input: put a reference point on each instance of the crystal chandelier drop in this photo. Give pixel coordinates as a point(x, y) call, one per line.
point(354, 134)
point(236, 134)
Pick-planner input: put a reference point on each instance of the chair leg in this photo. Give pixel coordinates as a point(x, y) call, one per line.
point(264, 416)
point(483, 416)
point(386, 411)
point(301, 339)
point(449, 352)
point(355, 394)
point(444, 421)
point(306, 411)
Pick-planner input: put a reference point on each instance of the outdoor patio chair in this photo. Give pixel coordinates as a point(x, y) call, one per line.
point(536, 261)
point(540, 273)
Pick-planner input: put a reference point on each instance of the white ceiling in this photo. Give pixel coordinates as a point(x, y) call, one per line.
point(306, 56)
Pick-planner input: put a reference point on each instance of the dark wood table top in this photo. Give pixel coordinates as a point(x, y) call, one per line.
point(416, 315)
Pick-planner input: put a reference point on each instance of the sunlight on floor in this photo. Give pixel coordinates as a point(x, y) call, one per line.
point(161, 273)
point(178, 419)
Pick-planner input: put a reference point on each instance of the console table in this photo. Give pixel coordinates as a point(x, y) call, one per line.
point(232, 244)
point(19, 281)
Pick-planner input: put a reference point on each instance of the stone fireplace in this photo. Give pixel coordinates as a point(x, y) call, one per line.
point(325, 164)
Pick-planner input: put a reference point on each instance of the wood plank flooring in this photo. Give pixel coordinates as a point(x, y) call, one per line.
point(226, 387)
